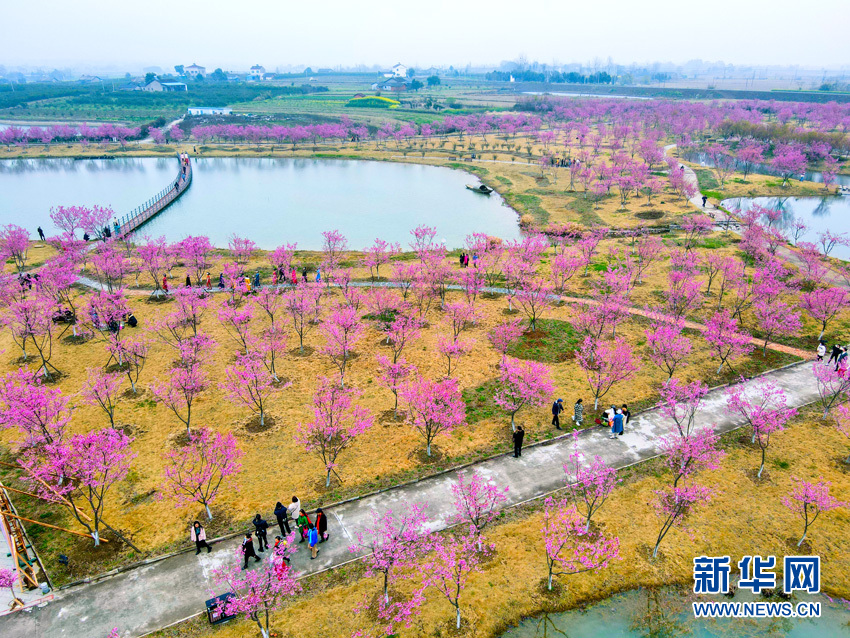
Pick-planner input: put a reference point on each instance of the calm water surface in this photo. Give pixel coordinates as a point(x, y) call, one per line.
point(268, 200)
point(667, 614)
point(819, 213)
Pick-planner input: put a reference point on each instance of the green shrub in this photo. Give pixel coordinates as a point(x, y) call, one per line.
point(373, 102)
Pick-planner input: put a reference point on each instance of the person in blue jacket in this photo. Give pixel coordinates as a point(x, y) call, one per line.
point(313, 541)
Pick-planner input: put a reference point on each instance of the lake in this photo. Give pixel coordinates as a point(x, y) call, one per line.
point(819, 213)
point(764, 169)
point(271, 201)
point(667, 613)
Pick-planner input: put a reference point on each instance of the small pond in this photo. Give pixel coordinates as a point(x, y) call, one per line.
point(819, 214)
point(669, 614)
point(271, 201)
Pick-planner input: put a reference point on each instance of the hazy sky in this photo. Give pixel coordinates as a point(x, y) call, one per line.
point(234, 35)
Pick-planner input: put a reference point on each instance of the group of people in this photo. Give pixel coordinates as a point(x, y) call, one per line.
point(313, 532)
point(281, 276)
point(838, 354)
point(464, 260)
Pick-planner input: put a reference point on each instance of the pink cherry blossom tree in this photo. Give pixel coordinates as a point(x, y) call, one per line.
point(377, 255)
point(260, 592)
point(391, 543)
point(775, 319)
point(401, 331)
point(236, 321)
point(680, 402)
point(453, 350)
point(40, 413)
point(725, 340)
point(249, 383)
point(564, 267)
point(434, 408)
point(534, 298)
point(83, 469)
point(688, 455)
point(156, 258)
point(504, 336)
point(823, 305)
point(271, 346)
point(14, 244)
point(281, 257)
point(195, 472)
point(198, 254)
point(477, 502)
point(241, 249)
point(337, 421)
point(521, 384)
point(667, 347)
point(833, 386)
point(394, 375)
point(809, 501)
point(569, 548)
point(451, 562)
point(178, 393)
point(342, 331)
point(589, 485)
point(605, 363)
point(302, 306)
point(101, 388)
point(675, 504)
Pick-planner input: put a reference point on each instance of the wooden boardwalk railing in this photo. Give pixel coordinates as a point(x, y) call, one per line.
point(134, 219)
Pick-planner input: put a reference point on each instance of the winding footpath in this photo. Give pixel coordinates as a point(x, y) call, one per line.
point(164, 591)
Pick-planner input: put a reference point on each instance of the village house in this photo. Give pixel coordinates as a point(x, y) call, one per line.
point(209, 110)
point(159, 86)
point(395, 84)
point(194, 71)
point(257, 72)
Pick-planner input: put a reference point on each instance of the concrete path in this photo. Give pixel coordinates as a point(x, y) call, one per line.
point(159, 594)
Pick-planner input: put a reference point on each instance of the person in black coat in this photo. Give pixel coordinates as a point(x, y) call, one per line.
point(40, 233)
point(260, 529)
point(248, 549)
point(519, 435)
point(836, 350)
point(322, 525)
point(282, 515)
point(557, 408)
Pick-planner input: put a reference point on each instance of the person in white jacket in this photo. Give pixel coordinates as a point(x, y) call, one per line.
point(294, 508)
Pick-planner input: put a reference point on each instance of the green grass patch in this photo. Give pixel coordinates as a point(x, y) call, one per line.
point(480, 404)
point(554, 341)
point(478, 170)
point(504, 180)
point(713, 194)
point(529, 204)
point(706, 178)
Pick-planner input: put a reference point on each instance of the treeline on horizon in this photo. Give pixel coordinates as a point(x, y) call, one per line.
point(557, 77)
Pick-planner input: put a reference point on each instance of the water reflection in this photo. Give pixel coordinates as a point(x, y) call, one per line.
point(818, 213)
point(668, 613)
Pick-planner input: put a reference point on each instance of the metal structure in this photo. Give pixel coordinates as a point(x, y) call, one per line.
point(24, 558)
point(134, 219)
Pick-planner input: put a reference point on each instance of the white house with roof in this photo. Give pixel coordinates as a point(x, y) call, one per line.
point(257, 72)
point(194, 70)
point(398, 71)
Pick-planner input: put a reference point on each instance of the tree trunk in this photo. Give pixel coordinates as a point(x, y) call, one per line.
point(457, 608)
point(328, 479)
point(209, 513)
point(513, 426)
point(802, 539)
point(428, 448)
point(96, 536)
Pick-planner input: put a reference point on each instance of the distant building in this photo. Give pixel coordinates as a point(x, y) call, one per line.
point(209, 110)
point(90, 79)
point(257, 72)
point(399, 71)
point(194, 71)
point(396, 84)
point(158, 86)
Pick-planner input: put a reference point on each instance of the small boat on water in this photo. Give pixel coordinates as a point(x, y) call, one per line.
point(484, 190)
point(844, 190)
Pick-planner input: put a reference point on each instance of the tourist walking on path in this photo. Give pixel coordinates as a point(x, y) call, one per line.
point(260, 529)
point(821, 350)
point(303, 522)
point(165, 283)
point(833, 356)
point(313, 540)
point(248, 550)
point(557, 408)
point(318, 275)
point(221, 280)
point(294, 277)
point(257, 280)
point(841, 357)
point(304, 273)
point(627, 415)
point(519, 435)
point(199, 537)
point(40, 233)
point(282, 514)
point(188, 281)
point(322, 525)
point(209, 282)
point(578, 412)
